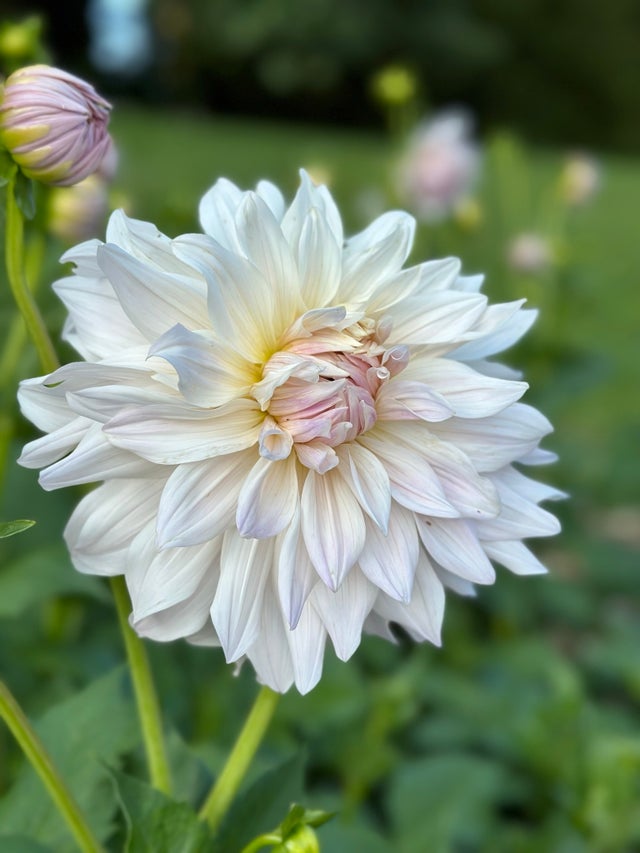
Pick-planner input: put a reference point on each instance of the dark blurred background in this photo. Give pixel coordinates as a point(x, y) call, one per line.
point(560, 71)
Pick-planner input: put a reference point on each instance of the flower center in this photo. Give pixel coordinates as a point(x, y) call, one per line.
point(319, 391)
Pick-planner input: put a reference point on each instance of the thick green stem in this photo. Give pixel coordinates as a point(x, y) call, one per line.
point(145, 693)
point(14, 257)
point(245, 747)
point(34, 750)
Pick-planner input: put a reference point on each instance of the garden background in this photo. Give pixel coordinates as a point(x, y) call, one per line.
point(521, 733)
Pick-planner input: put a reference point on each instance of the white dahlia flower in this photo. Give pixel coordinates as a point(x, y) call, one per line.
point(297, 437)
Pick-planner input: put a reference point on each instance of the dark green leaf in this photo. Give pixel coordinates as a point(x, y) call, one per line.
point(25, 196)
point(8, 166)
point(22, 844)
point(10, 528)
point(262, 806)
point(158, 824)
point(92, 729)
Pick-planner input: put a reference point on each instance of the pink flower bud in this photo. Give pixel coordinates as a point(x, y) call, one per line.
point(54, 125)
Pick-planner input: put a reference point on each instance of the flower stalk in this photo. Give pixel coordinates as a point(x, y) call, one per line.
point(14, 255)
point(145, 693)
point(35, 752)
point(228, 782)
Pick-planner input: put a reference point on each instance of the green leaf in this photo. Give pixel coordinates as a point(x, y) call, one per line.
point(262, 806)
point(156, 823)
point(25, 196)
point(42, 574)
point(8, 166)
point(22, 844)
point(10, 528)
point(93, 728)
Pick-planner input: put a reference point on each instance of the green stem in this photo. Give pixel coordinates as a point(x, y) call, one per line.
point(34, 750)
point(245, 747)
point(14, 257)
point(146, 698)
point(268, 840)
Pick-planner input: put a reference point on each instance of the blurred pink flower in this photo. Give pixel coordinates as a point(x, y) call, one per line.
point(54, 125)
point(530, 253)
point(298, 438)
point(440, 166)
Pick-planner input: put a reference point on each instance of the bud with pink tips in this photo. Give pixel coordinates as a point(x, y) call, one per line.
point(54, 125)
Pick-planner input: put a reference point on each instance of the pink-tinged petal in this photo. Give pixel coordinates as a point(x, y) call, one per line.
point(368, 480)
point(268, 498)
point(308, 197)
point(389, 561)
point(172, 434)
point(106, 521)
point(237, 607)
point(94, 459)
point(440, 318)
point(270, 654)
point(200, 499)
point(153, 300)
point(307, 644)
point(404, 399)
point(317, 456)
point(454, 544)
point(344, 611)
point(47, 449)
point(491, 443)
point(414, 483)
point(332, 525)
point(374, 255)
point(209, 374)
point(422, 616)
point(514, 556)
point(469, 393)
point(296, 575)
point(319, 261)
point(419, 280)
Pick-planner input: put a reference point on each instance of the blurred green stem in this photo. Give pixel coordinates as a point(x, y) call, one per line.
point(34, 750)
point(245, 747)
point(145, 693)
point(14, 257)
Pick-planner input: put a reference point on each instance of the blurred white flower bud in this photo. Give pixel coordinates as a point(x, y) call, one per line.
point(530, 253)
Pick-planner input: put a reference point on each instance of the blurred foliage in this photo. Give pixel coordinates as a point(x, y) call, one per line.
point(521, 734)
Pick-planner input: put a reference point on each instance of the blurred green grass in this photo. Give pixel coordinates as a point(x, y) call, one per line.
point(521, 733)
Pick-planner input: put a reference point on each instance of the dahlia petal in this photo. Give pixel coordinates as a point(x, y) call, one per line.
point(272, 197)
point(169, 435)
point(200, 499)
point(454, 545)
point(49, 448)
point(317, 456)
point(296, 574)
point(505, 335)
point(319, 260)
point(414, 483)
point(307, 197)
point(454, 582)
point(515, 556)
point(236, 611)
point(418, 280)
point(103, 402)
point(332, 526)
point(84, 257)
point(441, 318)
point(94, 459)
point(268, 498)
point(105, 522)
point(375, 254)
point(217, 213)
point(208, 374)
point(404, 399)
point(46, 409)
point(389, 561)
point(307, 644)
point(344, 610)
point(270, 654)
point(143, 241)
point(469, 393)
point(520, 515)
point(153, 300)
point(538, 456)
point(422, 616)
point(368, 480)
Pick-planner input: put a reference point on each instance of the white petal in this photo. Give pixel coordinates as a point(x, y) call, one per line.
point(105, 522)
point(441, 317)
point(143, 241)
point(433, 275)
point(368, 480)
point(343, 612)
point(422, 616)
point(504, 336)
point(270, 654)
point(49, 448)
point(200, 499)
point(307, 643)
point(332, 526)
point(454, 544)
point(403, 399)
point(319, 261)
point(268, 498)
point(218, 210)
point(178, 433)
point(389, 561)
point(44, 406)
point(209, 374)
point(296, 575)
point(272, 197)
point(153, 300)
point(515, 556)
point(237, 607)
point(520, 516)
point(307, 197)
